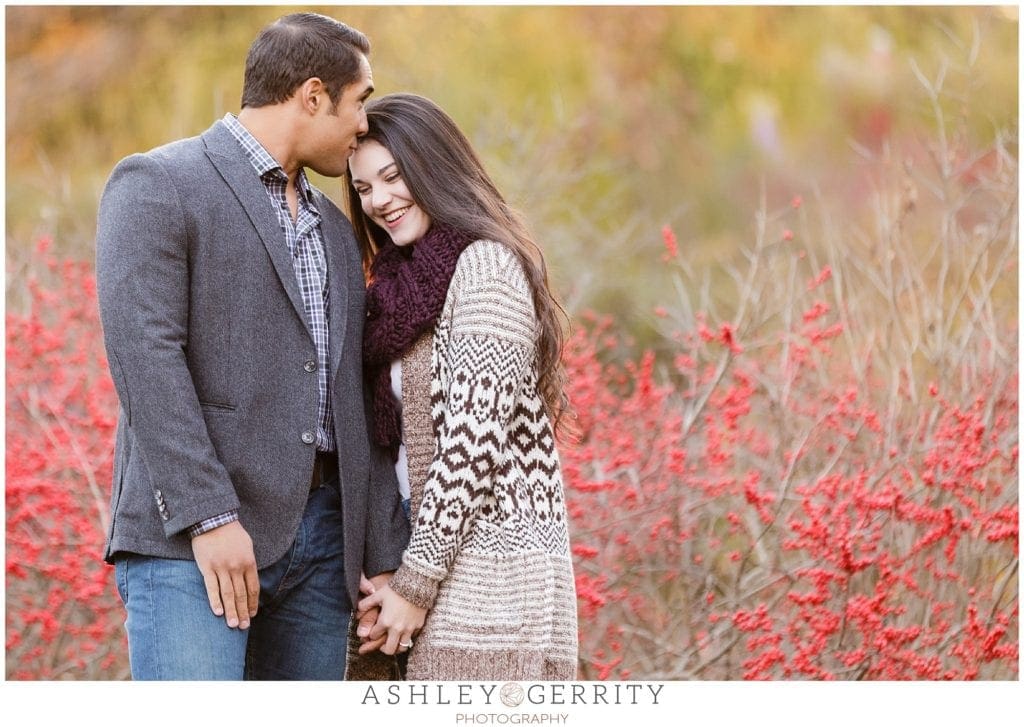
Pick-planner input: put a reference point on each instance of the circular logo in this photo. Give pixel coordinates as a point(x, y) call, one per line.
point(511, 694)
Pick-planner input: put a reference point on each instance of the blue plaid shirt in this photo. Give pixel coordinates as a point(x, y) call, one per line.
point(306, 247)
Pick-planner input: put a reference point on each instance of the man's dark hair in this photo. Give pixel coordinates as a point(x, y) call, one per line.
point(296, 48)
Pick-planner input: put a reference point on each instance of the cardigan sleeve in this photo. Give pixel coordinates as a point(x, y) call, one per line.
point(490, 350)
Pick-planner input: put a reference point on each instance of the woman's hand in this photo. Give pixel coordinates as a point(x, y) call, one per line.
point(398, 622)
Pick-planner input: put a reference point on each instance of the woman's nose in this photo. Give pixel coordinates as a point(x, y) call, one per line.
point(380, 197)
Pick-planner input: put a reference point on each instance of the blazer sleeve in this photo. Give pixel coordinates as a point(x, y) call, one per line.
point(490, 351)
point(142, 276)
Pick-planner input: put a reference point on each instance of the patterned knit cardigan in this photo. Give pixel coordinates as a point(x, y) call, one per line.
point(489, 554)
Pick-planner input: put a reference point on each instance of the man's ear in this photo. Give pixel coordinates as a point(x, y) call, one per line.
point(312, 94)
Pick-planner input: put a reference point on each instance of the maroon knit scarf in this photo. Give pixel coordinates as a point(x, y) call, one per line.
point(406, 294)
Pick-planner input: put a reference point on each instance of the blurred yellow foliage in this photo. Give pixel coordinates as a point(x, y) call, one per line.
point(601, 123)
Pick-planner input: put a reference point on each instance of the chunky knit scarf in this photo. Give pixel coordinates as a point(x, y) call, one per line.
point(406, 294)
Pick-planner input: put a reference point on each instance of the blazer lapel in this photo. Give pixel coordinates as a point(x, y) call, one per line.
point(232, 164)
point(336, 238)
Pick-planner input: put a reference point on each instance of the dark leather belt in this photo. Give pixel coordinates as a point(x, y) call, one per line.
point(325, 469)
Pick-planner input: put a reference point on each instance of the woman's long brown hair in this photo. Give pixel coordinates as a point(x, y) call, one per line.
point(448, 182)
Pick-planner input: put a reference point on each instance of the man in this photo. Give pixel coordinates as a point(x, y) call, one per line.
point(246, 498)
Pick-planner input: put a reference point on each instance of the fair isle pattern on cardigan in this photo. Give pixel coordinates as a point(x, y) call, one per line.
point(489, 555)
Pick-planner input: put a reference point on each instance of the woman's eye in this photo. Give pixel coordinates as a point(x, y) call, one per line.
point(391, 178)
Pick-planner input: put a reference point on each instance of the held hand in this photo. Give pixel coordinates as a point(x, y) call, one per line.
point(398, 622)
point(226, 559)
point(366, 588)
point(368, 618)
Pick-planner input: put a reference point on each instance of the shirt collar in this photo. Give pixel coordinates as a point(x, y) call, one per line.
point(261, 159)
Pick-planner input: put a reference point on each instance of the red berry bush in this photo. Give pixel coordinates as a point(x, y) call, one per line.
point(63, 613)
point(814, 476)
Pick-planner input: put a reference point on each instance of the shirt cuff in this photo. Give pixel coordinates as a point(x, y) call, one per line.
point(205, 526)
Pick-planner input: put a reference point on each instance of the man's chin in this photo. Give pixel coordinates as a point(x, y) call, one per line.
point(330, 170)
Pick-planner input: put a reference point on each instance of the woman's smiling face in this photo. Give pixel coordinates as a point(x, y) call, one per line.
point(383, 195)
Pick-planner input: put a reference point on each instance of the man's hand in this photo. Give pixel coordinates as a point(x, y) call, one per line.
point(228, 564)
point(368, 618)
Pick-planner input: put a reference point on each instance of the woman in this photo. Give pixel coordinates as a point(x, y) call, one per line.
point(461, 346)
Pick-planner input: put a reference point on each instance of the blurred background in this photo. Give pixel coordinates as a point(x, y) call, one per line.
point(603, 124)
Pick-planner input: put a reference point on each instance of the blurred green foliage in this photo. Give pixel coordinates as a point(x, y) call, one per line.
point(601, 123)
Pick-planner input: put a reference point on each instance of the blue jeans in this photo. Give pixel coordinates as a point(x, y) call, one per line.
point(300, 631)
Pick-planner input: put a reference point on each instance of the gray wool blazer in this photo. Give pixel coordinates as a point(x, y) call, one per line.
point(208, 343)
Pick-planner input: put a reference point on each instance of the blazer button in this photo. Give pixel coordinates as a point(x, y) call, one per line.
point(308, 437)
point(310, 366)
